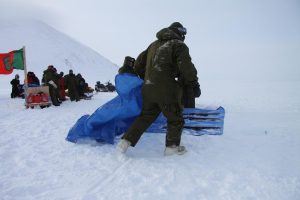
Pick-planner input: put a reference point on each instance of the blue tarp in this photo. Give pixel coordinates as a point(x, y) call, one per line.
point(115, 117)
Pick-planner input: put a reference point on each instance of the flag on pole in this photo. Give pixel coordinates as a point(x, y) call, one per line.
point(10, 61)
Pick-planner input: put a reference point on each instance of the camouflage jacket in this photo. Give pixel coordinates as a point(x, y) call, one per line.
point(163, 63)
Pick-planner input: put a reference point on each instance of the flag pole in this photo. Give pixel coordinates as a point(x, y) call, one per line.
point(25, 75)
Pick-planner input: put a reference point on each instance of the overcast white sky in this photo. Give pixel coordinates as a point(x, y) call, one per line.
point(250, 39)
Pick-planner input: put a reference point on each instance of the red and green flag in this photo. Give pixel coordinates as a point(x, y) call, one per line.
point(10, 61)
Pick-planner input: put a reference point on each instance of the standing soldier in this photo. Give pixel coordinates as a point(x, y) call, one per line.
point(165, 60)
point(72, 85)
point(49, 78)
point(56, 77)
point(81, 85)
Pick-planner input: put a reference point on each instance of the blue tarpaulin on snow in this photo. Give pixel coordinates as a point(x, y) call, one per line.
point(115, 117)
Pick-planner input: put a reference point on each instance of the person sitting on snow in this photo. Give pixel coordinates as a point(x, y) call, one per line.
point(15, 91)
point(32, 80)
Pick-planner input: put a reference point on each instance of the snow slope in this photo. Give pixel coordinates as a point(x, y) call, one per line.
point(256, 158)
point(45, 46)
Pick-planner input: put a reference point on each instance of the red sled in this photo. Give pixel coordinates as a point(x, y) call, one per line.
point(37, 96)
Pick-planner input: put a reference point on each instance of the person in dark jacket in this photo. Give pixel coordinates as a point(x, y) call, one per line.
point(35, 79)
point(161, 64)
point(127, 66)
point(71, 83)
point(32, 80)
point(56, 77)
point(15, 90)
point(81, 85)
point(49, 79)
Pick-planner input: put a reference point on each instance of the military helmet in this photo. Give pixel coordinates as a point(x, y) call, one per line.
point(179, 29)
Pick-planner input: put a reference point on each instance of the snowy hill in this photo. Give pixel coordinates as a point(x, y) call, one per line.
point(45, 46)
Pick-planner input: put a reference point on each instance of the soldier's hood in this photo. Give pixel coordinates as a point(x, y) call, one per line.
point(167, 34)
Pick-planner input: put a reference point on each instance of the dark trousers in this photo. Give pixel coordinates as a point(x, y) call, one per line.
point(150, 111)
point(73, 93)
point(53, 95)
point(15, 92)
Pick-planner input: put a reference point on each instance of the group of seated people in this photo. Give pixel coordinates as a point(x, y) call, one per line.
point(73, 85)
point(18, 89)
point(60, 86)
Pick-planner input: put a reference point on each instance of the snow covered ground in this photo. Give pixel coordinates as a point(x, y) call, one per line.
point(256, 158)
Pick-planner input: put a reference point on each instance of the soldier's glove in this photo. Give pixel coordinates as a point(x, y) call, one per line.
point(197, 90)
point(52, 83)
